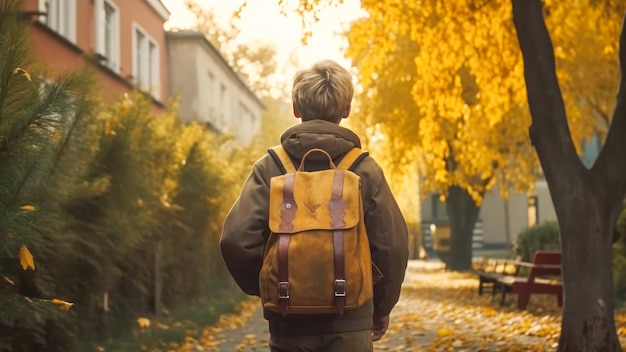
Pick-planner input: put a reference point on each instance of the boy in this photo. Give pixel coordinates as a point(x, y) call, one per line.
point(322, 97)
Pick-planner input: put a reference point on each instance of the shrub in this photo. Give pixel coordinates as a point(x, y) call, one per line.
point(544, 236)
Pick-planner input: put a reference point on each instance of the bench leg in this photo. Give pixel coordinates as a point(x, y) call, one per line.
point(503, 288)
point(522, 300)
point(559, 299)
point(496, 287)
point(480, 287)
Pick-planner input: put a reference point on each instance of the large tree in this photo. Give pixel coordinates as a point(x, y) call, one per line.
point(433, 98)
point(587, 201)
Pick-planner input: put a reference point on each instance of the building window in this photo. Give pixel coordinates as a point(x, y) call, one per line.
point(246, 119)
point(210, 94)
point(109, 28)
point(107, 32)
point(223, 100)
point(439, 209)
point(153, 66)
point(140, 40)
point(146, 62)
point(60, 16)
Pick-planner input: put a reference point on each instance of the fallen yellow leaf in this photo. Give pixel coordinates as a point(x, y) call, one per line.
point(143, 322)
point(445, 332)
point(63, 305)
point(26, 259)
point(28, 207)
point(22, 72)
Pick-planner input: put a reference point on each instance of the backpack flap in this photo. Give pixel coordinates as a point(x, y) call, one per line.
point(304, 201)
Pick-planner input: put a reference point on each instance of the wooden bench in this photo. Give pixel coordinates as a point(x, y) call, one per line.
point(490, 270)
point(543, 277)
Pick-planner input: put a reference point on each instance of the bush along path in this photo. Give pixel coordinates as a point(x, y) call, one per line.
point(438, 311)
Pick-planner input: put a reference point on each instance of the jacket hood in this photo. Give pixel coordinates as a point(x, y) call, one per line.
point(334, 139)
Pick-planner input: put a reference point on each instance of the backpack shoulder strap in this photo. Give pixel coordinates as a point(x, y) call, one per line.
point(352, 159)
point(282, 159)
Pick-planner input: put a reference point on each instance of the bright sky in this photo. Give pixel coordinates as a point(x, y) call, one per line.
point(261, 21)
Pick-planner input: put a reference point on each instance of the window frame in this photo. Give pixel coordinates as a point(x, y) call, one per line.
point(109, 59)
point(150, 66)
point(66, 22)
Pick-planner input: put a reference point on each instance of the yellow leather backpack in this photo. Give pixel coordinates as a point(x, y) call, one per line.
point(317, 259)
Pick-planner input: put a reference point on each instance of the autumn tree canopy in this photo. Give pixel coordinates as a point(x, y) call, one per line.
point(445, 79)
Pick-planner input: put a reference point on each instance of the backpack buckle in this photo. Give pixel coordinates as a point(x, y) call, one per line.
point(283, 290)
point(340, 288)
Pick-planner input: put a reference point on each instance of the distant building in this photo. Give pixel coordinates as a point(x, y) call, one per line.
point(124, 38)
point(499, 220)
point(210, 91)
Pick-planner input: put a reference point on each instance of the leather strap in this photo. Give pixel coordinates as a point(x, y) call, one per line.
point(287, 213)
point(350, 160)
point(283, 272)
point(337, 207)
point(288, 206)
point(282, 158)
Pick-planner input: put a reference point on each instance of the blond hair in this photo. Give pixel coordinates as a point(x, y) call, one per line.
point(323, 92)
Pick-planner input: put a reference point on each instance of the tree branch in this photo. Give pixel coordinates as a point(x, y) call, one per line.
point(595, 106)
point(610, 164)
point(549, 131)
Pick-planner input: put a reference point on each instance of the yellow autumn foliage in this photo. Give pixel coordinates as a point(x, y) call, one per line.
point(443, 80)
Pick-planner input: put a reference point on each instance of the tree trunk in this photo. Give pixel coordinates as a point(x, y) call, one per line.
point(587, 201)
point(462, 212)
point(158, 278)
point(586, 236)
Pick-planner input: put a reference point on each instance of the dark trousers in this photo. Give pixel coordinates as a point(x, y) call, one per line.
point(355, 341)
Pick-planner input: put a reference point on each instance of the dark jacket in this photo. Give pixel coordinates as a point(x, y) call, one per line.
point(246, 229)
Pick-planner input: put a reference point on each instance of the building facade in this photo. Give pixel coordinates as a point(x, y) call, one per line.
point(125, 39)
point(210, 92)
point(500, 220)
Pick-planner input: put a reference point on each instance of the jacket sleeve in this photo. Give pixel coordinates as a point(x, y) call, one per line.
point(388, 237)
point(245, 232)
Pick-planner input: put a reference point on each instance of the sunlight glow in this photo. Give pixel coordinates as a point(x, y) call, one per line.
point(261, 21)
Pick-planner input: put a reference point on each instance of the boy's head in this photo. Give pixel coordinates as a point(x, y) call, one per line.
point(322, 92)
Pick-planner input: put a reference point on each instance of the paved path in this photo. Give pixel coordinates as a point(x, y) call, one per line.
point(438, 311)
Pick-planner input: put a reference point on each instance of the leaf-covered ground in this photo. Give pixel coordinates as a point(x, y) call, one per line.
point(438, 311)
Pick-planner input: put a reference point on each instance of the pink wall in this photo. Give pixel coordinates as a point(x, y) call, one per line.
point(63, 55)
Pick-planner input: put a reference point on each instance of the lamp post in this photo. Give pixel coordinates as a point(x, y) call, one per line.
point(533, 211)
